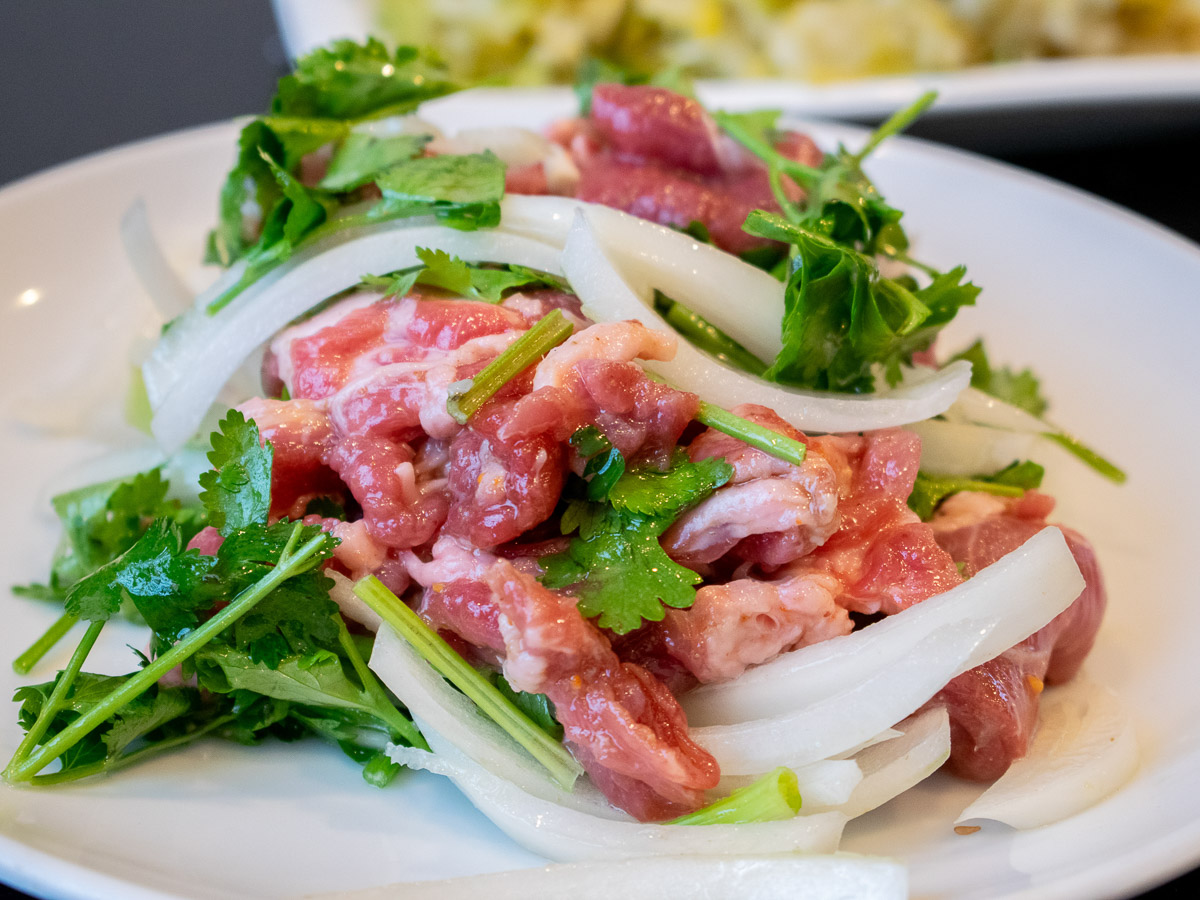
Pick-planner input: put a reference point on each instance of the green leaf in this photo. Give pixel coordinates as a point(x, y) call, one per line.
point(650, 491)
point(842, 319)
point(156, 572)
point(929, 490)
point(619, 571)
point(1021, 389)
point(462, 191)
point(444, 271)
point(237, 492)
point(348, 80)
point(363, 157)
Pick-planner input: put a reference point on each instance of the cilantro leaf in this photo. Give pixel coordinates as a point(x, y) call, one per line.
point(462, 191)
point(616, 565)
point(841, 318)
point(650, 491)
point(440, 269)
point(1014, 480)
point(620, 572)
point(155, 572)
point(1021, 389)
point(348, 80)
point(363, 157)
point(237, 491)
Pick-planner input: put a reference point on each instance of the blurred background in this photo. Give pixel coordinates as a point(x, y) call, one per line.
point(76, 78)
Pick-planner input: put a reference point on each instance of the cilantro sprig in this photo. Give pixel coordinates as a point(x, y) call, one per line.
point(843, 320)
point(1023, 390)
point(615, 563)
point(253, 625)
point(930, 489)
point(442, 270)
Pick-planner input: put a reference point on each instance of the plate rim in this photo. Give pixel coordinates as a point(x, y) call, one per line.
point(1174, 852)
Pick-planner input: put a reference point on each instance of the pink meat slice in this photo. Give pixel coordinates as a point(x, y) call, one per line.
point(770, 511)
point(880, 558)
point(625, 727)
point(645, 122)
point(993, 708)
point(660, 156)
point(591, 380)
point(501, 488)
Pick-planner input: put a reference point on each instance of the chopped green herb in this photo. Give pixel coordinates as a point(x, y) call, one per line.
point(1012, 481)
point(466, 397)
point(772, 798)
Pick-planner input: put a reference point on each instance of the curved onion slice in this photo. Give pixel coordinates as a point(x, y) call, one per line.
point(149, 263)
point(1033, 583)
point(564, 834)
point(1084, 749)
point(607, 296)
point(964, 449)
point(439, 707)
point(974, 406)
point(1009, 599)
point(200, 352)
point(825, 784)
point(835, 876)
point(742, 300)
point(891, 768)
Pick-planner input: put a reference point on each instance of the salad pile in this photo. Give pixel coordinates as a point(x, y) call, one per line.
point(578, 453)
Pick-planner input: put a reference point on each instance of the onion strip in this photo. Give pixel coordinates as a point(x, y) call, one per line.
point(200, 351)
point(1010, 599)
point(1041, 573)
point(607, 296)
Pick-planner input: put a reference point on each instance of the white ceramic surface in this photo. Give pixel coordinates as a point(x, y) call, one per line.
point(1102, 303)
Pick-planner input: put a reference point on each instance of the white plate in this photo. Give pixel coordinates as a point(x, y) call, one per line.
point(1102, 302)
point(999, 108)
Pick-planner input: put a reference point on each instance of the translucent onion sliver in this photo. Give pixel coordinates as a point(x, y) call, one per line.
point(607, 296)
point(200, 352)
point(1041, 572)
point(1010, 599)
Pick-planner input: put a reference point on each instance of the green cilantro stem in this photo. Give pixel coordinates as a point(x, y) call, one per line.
point(291, 562)
point(428, 643)
point(1089, 456)
point(708, 337)
point(24, 663)
point(108, 766)
point(62, 687)
point(755, 435)
point(384, 707)
point(773, 797)
point(467, 396)
point(896, 123)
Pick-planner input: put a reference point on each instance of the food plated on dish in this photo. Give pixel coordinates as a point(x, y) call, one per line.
point(462, 488)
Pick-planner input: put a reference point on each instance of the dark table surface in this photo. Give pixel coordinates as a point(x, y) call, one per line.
point(79, 77)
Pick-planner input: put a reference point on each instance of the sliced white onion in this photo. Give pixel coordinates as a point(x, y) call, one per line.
point(439, 707)
point(825, 784)
point(162, 283)
point(1084, 749)
point(742, 300)
point(891, 768)
point(1004, 603)
point(200, 352)
point(974, 406)
point(564, 834)
point(1033, 583)
point(964, 449)
point(606, 295)
point(839, 876)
